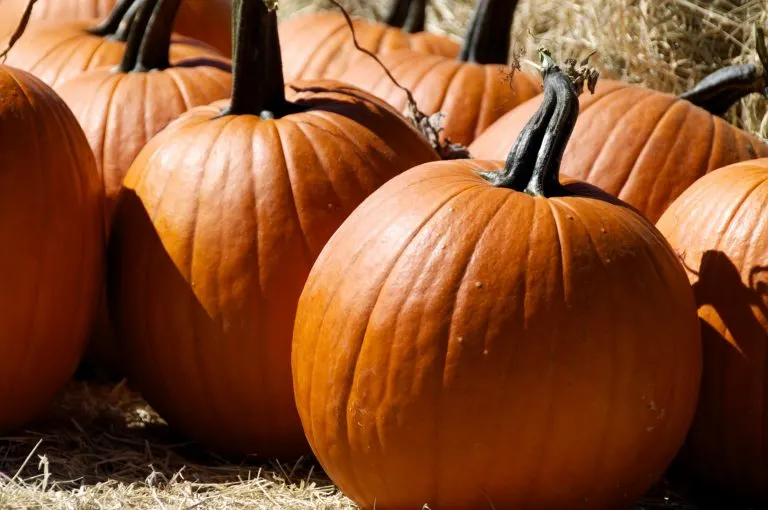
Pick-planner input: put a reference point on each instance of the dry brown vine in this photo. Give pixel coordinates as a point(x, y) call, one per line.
point(19, 29)
point(430, 126)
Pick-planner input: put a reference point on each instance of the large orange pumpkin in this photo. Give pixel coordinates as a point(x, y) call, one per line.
point(51, 233)
point(59, 51)
point(720, 228)
point(478, 335)
point(204, 20)
point(220, 220)
point(472, 91)
point(320, 45)
point(121, 108)
point(644, 146)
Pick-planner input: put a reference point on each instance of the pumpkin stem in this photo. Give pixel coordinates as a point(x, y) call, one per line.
point(112, 22)
point(124, 29)
point(533, 164)
point(725, 87)
point(488, 38)
point(257, 68)
point(409, 15)
point(156, 43)
point(136, 32)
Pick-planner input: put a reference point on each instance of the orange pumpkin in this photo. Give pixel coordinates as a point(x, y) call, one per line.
point(644, 146)
point(204, 20)
point(51, 230)
point(218, 224)
point(59, 51)
point(121, 108)
point(320, 45)
point(472, 91)
point(720, 228)
point(478, 335)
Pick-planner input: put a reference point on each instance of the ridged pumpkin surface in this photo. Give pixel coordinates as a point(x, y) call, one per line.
point(58, 51)
point(640, 145)
point(472, 96)
point(467, 346)
point(720, 228)
point(217, 228)
point(121, 112)
point(206, 20)
point(52, 256)
point(320, 45)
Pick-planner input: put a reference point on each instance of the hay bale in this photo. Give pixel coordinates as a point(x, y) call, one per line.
point(667, 45)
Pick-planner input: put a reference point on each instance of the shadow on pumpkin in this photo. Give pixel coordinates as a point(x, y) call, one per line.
point(101, 433)
point(733, 339)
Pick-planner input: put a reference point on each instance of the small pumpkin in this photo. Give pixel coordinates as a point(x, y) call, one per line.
point(479, 335)
point(203, 20)
point(219, 221)
point(51, 230)
point(121, 108)
point(472, 91)
point(320, 45)
point(57, 52)
point(644, 146)
point(719, 227)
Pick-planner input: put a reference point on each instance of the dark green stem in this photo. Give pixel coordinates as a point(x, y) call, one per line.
point(136, 34)
point(257, 69)
point(154, 52)
point(488, 38)
point(125, 25)
point(720, 90)
point(409, 15)
point(110, 25)
point(533, 164)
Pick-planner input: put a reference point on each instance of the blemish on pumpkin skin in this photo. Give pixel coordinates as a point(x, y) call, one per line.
point(479, 285)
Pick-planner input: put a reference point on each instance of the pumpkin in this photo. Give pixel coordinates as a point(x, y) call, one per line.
point(644, 146)
point(479, 335)
point(320, 45)
point(222, 215)
point(121, 108)
point(57, 52)
point(51, 230)
point(109, 101)
point(472, 91)
point(204, 20)
point(720, 228)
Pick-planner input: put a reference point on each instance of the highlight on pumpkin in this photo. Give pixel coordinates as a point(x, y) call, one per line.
point(381, 266)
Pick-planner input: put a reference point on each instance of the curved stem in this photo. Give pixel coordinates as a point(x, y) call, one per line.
point(110, 25)
point(720, 90)
point(156, 43)
point(257, 69)
point(127, 22)
point(409, 15)
point(533, 164)
point(136, 34)
point(488, 38)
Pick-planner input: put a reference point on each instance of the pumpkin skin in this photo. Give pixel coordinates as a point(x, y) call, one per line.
point(643, 146)
point(59, 51)
point(108, 102)
point(51, 214)
point(223, 217)
point(320, 45)
point(463, 345)
point(720, 228)
point(204, 20)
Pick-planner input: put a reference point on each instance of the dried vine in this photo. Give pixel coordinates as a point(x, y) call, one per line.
point(19, 29)
point(430, 126)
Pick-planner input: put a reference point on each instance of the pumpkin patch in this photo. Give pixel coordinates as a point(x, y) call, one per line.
point(414, 254)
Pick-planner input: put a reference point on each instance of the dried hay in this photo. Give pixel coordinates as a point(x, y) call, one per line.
point(104, 448)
